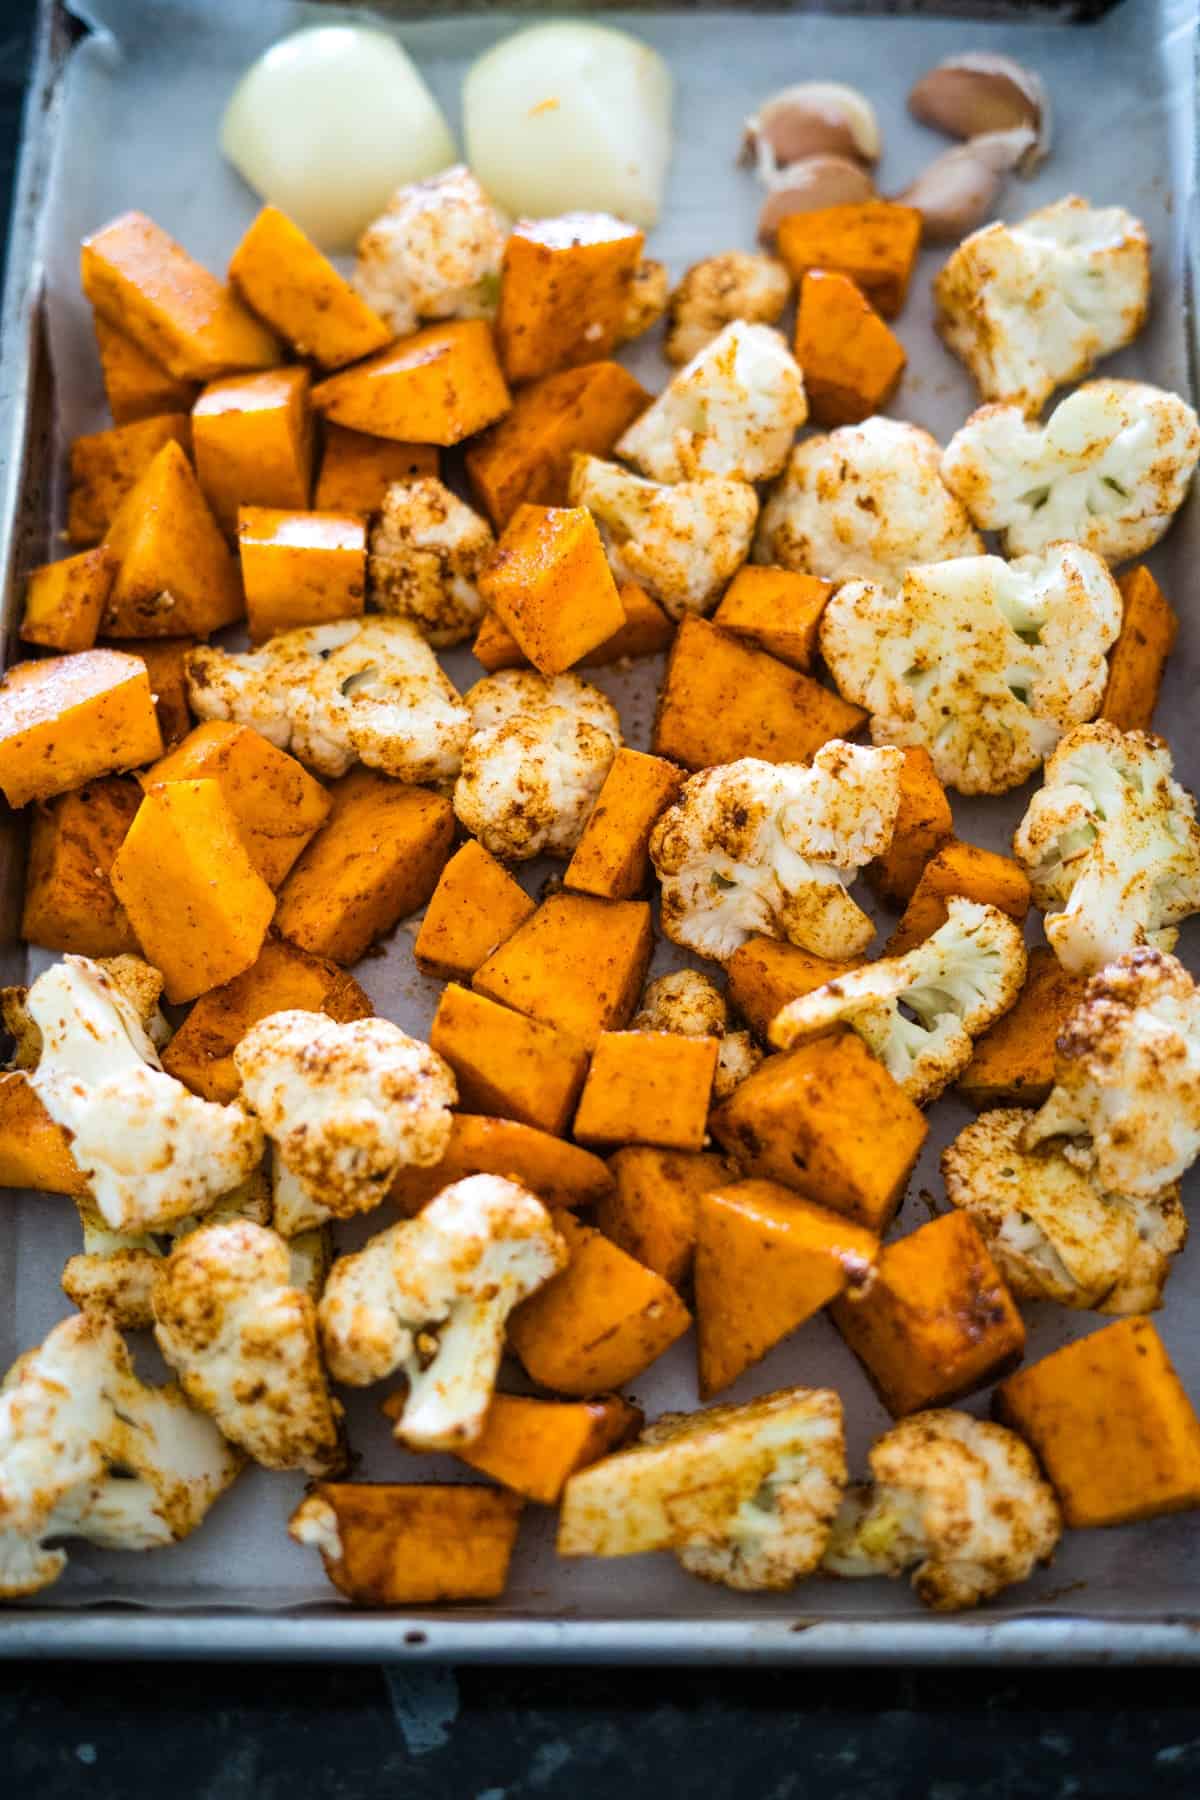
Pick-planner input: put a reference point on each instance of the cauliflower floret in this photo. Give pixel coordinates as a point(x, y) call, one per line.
point(1112, 839)
point(140, 983)
point(743, 1495)
point(961, 1498)
point(430, 1297)
point(1029, 307)
point(87, 1450)
point(1054, 1231)
point(535, 762)
point(243, 1340)
point(361, 690)
point(764, 848)
point(427, 549)
point(647, 298)
point(691, 1005)
point(346, 1106)
point(683, 544)
point(739, 284)
point(737, 1058)
point(1109, 469)
point(733, 411)
point(985, 663)
point(863, 503)
point(433, 253)
point(920, 1013)
point(150, 1151)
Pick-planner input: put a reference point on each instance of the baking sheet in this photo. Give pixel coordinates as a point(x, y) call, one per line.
point(142, 103)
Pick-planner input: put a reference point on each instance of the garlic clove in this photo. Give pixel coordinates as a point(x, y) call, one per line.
point(978, 93)
point(956, 192)
point(806, 186)
point(812, 118)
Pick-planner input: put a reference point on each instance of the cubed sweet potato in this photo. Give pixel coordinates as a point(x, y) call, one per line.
point(1013, 1062)
point(475, 906)
point(34, 1151)
point(874, 243)
point(411, 1543)
point(958, 868)
point(198, 905)
point(69, 719)
point(776, 609)
point(600, 1323)
point(936, 1321)
point(852, 361)
point(357, 470)
point(923, 825)
point(507, 1064)
point(578, 963)
point(375, 861)
point(300, 568)
point(65, 600)
point(723, 699)
point(106, 466)
point(612, 857)
point(136, 386)
point(73, 840)
point(1112, 1426)
point(648, 1087)
point(281, 274)
point(550, 584)
point(650, 1213)
point(1138, 658)
point(252, 438)
point(166, 662)
point(564, 291)
point(763, 975)
point(646, 631)
point(439, 386)
point(177, 575)
point(533, 1447)
point(559, 1174)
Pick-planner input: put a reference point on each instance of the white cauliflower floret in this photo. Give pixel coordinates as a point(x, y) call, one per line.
point(150, 1151)
point(920, 1013)
point(1109, 469)
point(764, 848)
point(1054, 1231)
point(1029, 307)
point(742, 1495)
point(683, 543)
point(1112, 840)
point(140, 983)
point(960, 1498)
point(361, 690)
point(691, 1005)
point(427, 549)
point(737, 1058)
point(1126, 1092)
point(535, 762)
point(863, 503)
point(738, 284)
point(243, 1340)
point(985, 663)
point(346, 1106)
point(87, 1450)
point(733, 411)
point(431, 1297)
point(433, 253)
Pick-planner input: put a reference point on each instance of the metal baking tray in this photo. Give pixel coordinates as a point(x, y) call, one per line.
point(1125, 91)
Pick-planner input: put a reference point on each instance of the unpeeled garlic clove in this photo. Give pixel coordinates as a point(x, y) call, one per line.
point(978, 93)
point(956, 192)
point(805, 186)
point(812, 118)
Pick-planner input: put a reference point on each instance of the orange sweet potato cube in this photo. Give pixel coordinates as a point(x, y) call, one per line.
point(599, 1323)
point(106, 466)
point(496, 647)
point(1111, 1424)
point(550, 583)
point(763, 975)
point(828, 1120)
point(560, 1174)
point(73, 840)
point(166, 664)
point(411, 1543)
point(136, 386)
point(874, 243)
point(34, 1151)
point(142, 282)
point(68, 719)
point(648, 1087)
point(375, 861)
point(936, 1321)
point(565, 287)
point(650, 1213)
point(923, 825)
point(357, 471)
point(198, 905)
point(176, 575)
point(507, 1064)
point(852, 361)
point(645, 632)
point(577, 962)
point(723, 699)
point(282, 977)
point(612, 857)
point(533, 1447)
point(776, 609)
point(1013, 1062)
point(439, 386)
point(65, 600)
point(766, 1261)
point(958, 868)
point(252, 438)
point(1138, 658)
point(300, 568)
point(281, 274)
point(475, 906)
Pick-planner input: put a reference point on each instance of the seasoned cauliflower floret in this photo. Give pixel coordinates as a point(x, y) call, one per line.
point(535, 762)
point(150, 1151)
point(1031, 306)
point(863, 503)
point(691, 1005)
point(739, 284)
point(430, 1298)
point(1112, 840)
point(733, 411)
point(683, 543)
point(985, 663)
point(960, 1498)
point(87, 1450)
point(1053, 1230)
point(427, 548)
point(1109, 469)
point(362, 690)
point(647, 299)
point(139, 982)
point(764, 848)
point(920, 1013)
point(433, 253)
point(243, 1340)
